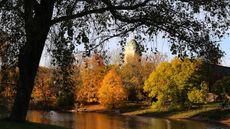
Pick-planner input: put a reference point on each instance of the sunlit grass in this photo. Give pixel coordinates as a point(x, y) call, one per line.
point(210, 111)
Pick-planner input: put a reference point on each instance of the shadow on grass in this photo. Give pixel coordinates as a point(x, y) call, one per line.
point(216, 114)
point(131, 107)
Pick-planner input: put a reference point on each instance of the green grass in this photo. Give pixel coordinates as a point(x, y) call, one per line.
point(26, 125)
point(210, 111)
point(191, 113)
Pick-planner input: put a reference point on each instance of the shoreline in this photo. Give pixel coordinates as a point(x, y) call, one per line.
point(203, 116)
point(209, 114)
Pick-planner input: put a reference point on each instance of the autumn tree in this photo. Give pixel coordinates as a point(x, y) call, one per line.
point(8, 73)
point(8, 80)
point(112, 93)
point(172, 83)
point(136, 71)
point(43, 95)
point(8, 69)
point(151, 61)
point(198, 96)
point(29, 24)
point(132, 79)
point(92, 74)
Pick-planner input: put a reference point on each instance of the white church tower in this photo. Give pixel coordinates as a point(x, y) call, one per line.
point(132, 51)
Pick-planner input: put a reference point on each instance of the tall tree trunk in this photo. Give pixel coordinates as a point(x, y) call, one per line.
point(37, 28)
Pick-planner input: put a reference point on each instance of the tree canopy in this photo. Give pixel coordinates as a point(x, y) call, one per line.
point(177, 84)
point(112, 93)
point(192, 28)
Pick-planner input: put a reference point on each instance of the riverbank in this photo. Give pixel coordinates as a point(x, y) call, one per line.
point(129, 108)
point(26, 125)
point(204, 113)
point(210, 112)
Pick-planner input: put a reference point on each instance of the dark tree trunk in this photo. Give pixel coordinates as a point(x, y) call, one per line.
point(37, 28)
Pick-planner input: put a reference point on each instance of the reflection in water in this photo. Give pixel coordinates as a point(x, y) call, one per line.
point(105, 121)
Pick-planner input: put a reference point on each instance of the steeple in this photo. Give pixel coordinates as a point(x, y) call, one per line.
point(132, 51)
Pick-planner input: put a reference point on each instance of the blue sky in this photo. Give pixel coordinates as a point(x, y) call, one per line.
point(225, 46)
point(162, 45)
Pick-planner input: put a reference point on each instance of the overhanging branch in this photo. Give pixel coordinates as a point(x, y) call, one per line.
point(99, 10)
point(116, 35)
point(81, 14)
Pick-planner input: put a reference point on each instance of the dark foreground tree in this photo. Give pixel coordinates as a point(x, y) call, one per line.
point(189, 26)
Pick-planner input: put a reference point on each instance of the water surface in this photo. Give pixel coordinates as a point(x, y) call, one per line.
point(106, 121)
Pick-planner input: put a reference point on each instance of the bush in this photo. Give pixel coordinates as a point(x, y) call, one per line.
point(112, 94)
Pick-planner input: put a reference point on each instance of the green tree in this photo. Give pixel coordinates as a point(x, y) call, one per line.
point(171, 83)
point(222, 87)
point(63, 59)
point(112, 93)
point(30, 23)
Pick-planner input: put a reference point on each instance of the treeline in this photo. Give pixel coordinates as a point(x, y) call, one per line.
point(183, 84)
point(179, 84)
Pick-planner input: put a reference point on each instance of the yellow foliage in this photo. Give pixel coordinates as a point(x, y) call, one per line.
point(198, 95)
point(171, 82)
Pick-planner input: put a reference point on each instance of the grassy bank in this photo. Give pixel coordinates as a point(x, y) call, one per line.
point(26, 125)
point(209, 112)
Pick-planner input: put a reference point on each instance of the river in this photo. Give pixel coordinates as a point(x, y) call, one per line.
point(84, 120)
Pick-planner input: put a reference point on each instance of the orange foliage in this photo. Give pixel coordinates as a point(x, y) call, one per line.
point(92, 76)
point(112, 93)
point(42, 92)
